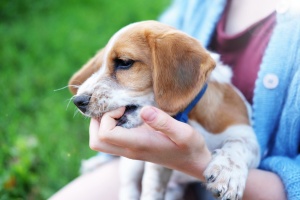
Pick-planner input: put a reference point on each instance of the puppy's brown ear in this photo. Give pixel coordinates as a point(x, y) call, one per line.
point(181, 67)
point(86, 71)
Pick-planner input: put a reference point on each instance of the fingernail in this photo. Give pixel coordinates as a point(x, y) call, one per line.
point(148, 114)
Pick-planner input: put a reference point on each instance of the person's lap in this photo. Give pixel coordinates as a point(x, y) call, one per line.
point(103, 183)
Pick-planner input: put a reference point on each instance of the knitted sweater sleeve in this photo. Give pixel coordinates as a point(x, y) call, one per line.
point(197, 18)
point(174, 15)
point(288, 170)
point(284, 158)
point(284, 147)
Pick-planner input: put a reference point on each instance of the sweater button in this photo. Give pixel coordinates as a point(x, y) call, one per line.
point(282, 6)
point(270, 81)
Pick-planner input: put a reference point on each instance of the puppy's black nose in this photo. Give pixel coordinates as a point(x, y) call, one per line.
point(82, 102)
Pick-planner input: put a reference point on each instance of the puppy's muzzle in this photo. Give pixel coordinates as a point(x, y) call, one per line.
point(82, 102)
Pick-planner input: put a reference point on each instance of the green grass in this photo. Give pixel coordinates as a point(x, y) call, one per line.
point(42, 43)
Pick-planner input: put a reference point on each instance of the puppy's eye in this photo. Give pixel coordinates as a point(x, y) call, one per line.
point(123, 64)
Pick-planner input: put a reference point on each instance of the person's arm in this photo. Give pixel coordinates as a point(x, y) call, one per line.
point(161, 139)
point(263, 185)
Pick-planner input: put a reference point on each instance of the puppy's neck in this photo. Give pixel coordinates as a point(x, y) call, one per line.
point(219, 108)
point(183, 116)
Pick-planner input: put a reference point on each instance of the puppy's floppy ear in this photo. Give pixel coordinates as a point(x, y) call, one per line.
point(181, 66)
point(86, 71)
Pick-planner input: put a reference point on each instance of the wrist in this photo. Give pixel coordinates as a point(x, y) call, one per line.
point(203, 163)
point(197, 167)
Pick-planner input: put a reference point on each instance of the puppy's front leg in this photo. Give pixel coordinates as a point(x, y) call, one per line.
point(227, 173)
point(155, 182)
point(131, 172)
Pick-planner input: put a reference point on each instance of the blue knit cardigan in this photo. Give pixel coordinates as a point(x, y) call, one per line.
point(276, 112)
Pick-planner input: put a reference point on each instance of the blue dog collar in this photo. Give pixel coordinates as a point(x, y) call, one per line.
point(183, 116)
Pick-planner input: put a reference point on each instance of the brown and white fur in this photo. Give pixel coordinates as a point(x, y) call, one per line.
point(149, 63)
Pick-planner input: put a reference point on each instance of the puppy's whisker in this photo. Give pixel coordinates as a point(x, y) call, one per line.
point(60, 88)
point(75, 112)
point(75, 86)
point(69, 100)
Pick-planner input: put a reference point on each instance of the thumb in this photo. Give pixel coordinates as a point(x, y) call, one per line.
point(161, 121)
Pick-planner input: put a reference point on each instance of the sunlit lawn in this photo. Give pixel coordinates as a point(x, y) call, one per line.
point(41, 44)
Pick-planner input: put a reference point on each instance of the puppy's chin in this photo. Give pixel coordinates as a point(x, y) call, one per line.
point(131, 117)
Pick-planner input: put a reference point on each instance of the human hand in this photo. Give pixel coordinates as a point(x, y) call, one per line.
point(161, 140)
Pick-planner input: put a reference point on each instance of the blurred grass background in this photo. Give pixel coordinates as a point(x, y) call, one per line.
point(42, 43)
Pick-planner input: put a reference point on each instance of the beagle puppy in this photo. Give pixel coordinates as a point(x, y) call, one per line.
point(150, 63)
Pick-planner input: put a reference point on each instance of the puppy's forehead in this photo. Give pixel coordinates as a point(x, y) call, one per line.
point(134, 35)
point(133, 29)
point(124, 35)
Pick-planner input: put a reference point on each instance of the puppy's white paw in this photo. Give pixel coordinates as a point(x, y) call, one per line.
point(226, 176)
